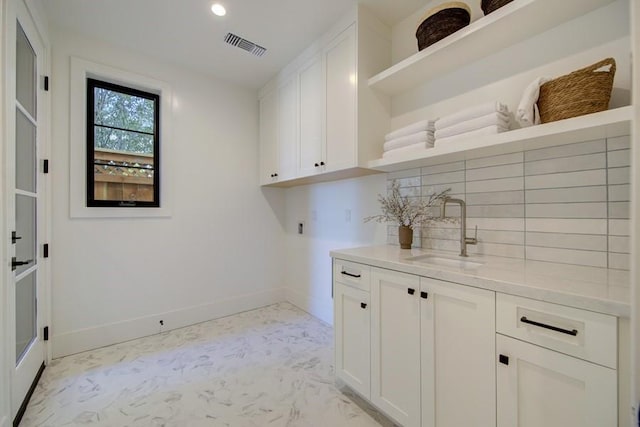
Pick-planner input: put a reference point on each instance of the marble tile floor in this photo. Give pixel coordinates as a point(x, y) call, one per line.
point(267, 367)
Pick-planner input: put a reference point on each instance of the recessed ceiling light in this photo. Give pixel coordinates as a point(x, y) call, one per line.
point(218, 9)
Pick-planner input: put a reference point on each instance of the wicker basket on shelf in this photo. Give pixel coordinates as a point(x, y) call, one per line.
point(489, 6)
point(442, 21)
point(584, 91)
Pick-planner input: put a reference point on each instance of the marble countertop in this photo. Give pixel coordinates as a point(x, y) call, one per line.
point(596, 289)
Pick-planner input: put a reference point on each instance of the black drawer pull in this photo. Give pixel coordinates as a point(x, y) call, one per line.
point(411, 291)
point(357, 276)
point(424, 295)
point(363, 305)
point(503, 359)
point(572, 332)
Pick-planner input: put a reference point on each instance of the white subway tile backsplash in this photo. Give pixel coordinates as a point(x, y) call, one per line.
point(566, 164)
point(447, 167)
point(567, 195)
point(443, 178)
point(504, 184)
point(493, 172)
point(619, 175)
point(619, 210)
point(567, 256)
point(496, 198)
point(567, 179)
point(567, 210)
point(567, 241)
point(619, 261)
point(619, 143)
point(589, 147)
point(619, 158)
point(564, 204)
point(495, 211)
point(500, 224)
point(503, 159)
point(619, 227)
point(620, 244)
point(564, 225)
point(620, 193)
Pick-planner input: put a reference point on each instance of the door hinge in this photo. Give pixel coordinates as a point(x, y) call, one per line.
point(46, 83)
point(45, 333)
point(45, 166)
point(45, 250)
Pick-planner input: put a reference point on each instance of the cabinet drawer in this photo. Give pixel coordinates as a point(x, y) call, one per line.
point(580, 333)
point(352, 273)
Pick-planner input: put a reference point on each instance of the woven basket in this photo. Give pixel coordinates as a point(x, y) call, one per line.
point(442, 21)
point(584, 91)
point(489, 6)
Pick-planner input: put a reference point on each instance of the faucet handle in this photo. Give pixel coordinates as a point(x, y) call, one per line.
point(472, 240)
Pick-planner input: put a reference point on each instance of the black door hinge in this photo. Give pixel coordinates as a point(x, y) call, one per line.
point(46, 83)
point(45, 166)
point(45, 333)
point(45, 251)
point(14, 237)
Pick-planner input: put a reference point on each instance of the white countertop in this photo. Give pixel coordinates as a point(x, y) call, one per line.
point(597, 289)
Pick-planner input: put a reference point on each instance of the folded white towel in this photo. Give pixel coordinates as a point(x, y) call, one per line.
point(408, 140)
point(489, 130)
point(498, 119)
point(528, 113)
point(410, 149)
point(422, 125)
point(471, 113)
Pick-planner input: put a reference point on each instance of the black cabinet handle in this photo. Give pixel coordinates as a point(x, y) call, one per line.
point(321, 163)
point(572, 332)
point(424, 295)
point(363, 305)
point(503, 359)
point(275, 175)
point(411, 291)
point(357, 276)
point(15, 263)
point(316, 165)
point(14, 237)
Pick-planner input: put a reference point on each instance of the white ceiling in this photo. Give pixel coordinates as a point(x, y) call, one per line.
point(187, 33)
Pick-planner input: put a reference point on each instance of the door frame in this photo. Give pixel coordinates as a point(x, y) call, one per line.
point(31, 19)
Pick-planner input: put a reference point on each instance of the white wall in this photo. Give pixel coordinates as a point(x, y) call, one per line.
point(218, 253)
point(324, 209)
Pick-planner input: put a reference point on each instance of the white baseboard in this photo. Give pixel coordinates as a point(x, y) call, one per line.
point(323, 310)
point(100, 336)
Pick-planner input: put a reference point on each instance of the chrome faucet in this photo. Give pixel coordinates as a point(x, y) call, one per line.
point(464, 240)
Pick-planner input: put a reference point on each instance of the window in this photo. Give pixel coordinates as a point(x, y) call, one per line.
point(122, 146)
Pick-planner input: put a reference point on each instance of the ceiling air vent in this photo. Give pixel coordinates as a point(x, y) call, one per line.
point(244, 44)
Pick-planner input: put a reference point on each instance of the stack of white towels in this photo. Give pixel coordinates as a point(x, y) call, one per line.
point(485, 119)
point(413, 138)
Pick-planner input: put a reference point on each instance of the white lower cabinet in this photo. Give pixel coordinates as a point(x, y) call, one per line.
point(458, 355)
point(395, 345)
point(352, 337)
point(433, 351)
point(541, 387)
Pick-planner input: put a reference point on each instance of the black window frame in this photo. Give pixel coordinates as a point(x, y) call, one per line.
point(93, 83)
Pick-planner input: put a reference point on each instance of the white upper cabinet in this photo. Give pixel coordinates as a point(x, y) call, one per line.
point(287, 128)
point(268, 137)
point(311, 145)
point(341, 93)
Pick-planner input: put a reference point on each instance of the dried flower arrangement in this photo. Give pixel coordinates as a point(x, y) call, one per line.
point(405, 211)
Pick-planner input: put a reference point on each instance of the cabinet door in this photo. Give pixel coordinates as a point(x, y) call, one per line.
point(458, 355)
point(352, 322)
point(341, 91)
point(541, 387)
point(287, 128)
point(268, 137)
point(395, 345)
point(311, 101)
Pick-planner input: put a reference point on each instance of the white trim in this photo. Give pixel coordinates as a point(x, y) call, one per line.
point(100, 336)
point(28, 115)
point(80, 70)
point(317, 308)
point(25, 193)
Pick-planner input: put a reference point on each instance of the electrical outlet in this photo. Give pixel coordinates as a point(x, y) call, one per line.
point(300, 227)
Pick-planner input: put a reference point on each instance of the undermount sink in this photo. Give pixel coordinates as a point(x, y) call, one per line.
point(446, 262)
